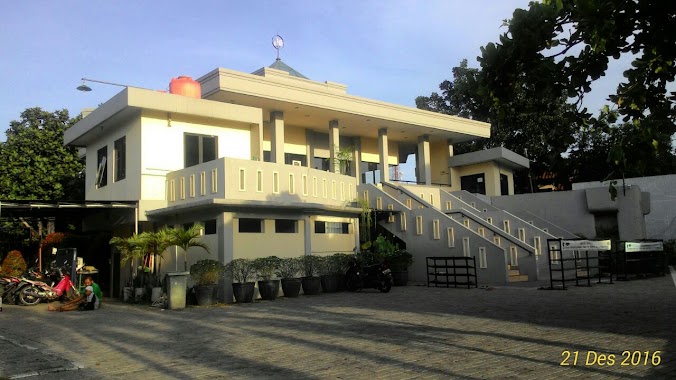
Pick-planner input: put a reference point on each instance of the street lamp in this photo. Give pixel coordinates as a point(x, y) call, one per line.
point(85, 88)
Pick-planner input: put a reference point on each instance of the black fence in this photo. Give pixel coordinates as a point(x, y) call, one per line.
point(447, 271)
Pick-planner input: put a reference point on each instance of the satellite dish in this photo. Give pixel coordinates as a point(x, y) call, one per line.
point(278, 43)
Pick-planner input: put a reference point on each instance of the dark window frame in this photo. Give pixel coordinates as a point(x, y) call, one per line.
point(249, 226)
point(120, 156)
point(201, 151)
point(101, 167)
point(291, 226)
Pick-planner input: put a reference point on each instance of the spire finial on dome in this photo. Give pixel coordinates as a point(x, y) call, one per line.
point(278, 43)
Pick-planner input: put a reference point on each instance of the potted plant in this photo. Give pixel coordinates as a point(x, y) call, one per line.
point(206, 274)
point(125, 246)
point(341, 264)
point(241, 271)
point(265, 268)
point(178, 281)
point(289, 270)
point(332, 271)
point(399, 262)
point(311, 281)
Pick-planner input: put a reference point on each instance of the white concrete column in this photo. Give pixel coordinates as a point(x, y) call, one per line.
point(384, 155)
point(225, 244)
point(277, 137)
point(334, 146)
point(309, 147)
point(307, 238)
point(423, 160)
point(356, 159)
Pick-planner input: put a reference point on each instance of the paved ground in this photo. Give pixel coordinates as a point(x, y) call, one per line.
point(412, 332)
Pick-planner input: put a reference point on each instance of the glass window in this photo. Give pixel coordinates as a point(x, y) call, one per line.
point(250, 225)
point(332, 228)
point(120, 152)
point(473, 183)
point(210, 227)
point(286, 226)
point(199, 149)
point(102, 167)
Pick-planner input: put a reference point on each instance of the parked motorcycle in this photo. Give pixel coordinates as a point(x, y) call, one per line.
point(377, 276)
point(32, 292)
point(9, 286)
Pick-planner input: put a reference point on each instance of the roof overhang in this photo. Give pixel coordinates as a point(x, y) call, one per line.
point(131, 101)
point(504, 157)
point(254, 206)
point(29, 208)
point(312, 105)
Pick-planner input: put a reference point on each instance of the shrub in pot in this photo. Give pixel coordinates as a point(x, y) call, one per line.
point(311, 281)
point(399, 262)
point(241, 271)
point(265, 269)
point(206, 274)
point(289, 270)
point(332, 269)
point(341, 262)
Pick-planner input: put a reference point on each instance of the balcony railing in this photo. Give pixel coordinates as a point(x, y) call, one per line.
point(244, 180)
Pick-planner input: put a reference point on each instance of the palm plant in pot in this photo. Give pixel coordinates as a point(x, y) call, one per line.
point(311, 281)
point(206, 274)
point(241, 271)
point(265, 268)
point(124, 246)
point(289, 270)
point(186, 239)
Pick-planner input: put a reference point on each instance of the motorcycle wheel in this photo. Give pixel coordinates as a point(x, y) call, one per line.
point(385, 286)
point(352, 284)
point(28, 299)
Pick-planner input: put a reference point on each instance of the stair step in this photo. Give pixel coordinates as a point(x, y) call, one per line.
point(514, 272)
point(512, 267)
point(519, 278)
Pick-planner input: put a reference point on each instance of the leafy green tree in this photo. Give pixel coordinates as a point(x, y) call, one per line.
point(34, 163)
point(560, 47)
point(539, 127)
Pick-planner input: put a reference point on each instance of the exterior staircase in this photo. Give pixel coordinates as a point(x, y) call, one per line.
point(435, 222)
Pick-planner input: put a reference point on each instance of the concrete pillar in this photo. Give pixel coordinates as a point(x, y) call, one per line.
point(309, 147)
point(308, 235)
point(334, 146)
point(384, 155)
point(277, 137)
point(356, 159)
point(423, 160)
point(225, 234)
point(257, 141)
point(357, 242)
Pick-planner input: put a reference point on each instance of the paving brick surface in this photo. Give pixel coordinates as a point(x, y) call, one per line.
point(409, 333)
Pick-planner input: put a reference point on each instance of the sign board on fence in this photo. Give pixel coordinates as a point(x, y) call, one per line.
point(585, 245)
point(647, 246)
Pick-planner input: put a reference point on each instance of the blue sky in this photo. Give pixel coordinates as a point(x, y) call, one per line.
point(388, 50)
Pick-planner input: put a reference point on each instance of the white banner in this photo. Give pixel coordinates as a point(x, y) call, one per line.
point(647, 246)
point(585, 245)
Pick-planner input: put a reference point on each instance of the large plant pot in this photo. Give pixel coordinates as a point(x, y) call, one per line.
point(291, 287)
point(268, 289)
point(155, 294)
point(330, 283)
point(127, 294)
point(400, 278)
point(311, 285)
point(243, 292)
point(139, 294)
point(205, 294)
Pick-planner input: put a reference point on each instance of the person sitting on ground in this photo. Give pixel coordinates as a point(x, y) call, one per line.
point(88, 281)
point(76, 303)
point(91, 301)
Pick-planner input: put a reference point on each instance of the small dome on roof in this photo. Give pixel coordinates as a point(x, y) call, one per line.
point(279, 65)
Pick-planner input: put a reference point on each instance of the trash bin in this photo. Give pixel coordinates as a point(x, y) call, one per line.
point(176, 285)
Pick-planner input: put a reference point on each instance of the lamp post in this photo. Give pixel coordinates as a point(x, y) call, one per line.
point(85, 88)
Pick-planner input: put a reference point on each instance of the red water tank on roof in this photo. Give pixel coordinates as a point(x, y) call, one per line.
point(185, 86)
